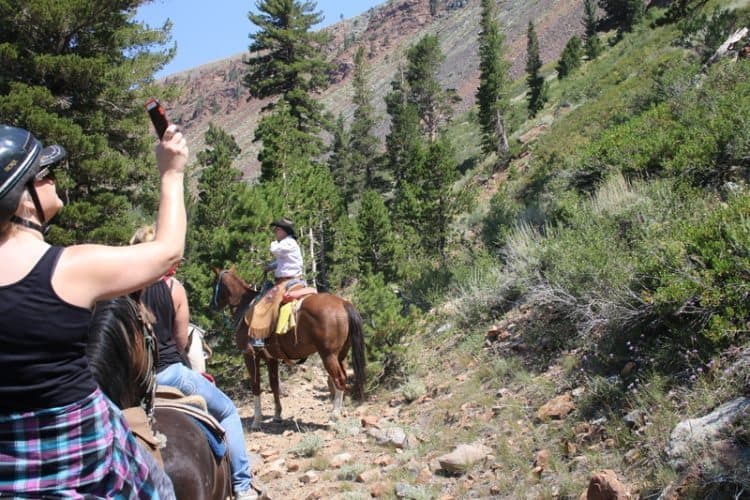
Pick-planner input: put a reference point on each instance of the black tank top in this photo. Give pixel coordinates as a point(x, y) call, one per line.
point(42, 343)
point(158, 298)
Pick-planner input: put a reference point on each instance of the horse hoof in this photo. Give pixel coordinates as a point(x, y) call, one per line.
point(277, 419)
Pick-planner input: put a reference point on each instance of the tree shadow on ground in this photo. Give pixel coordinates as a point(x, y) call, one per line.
point(297, 425)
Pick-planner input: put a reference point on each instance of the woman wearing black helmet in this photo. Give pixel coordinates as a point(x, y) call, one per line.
point(59, 435)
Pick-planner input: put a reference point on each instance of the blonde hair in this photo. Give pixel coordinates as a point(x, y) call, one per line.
point(144, 235)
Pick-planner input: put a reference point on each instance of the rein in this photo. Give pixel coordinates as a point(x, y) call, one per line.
point(238, 314)
point(217, 289)
point(149, 377)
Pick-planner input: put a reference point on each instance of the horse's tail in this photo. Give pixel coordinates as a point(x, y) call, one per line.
point(358, 350)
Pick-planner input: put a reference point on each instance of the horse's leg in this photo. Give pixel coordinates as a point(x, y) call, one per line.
point(337, 379)
point(273, 378)
point(253, 370)
point(338, 399)
point(331, 388)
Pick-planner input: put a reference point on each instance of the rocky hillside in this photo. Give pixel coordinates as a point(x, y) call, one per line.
point(214, 92)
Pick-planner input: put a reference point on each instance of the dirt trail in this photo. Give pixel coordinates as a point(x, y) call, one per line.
point(342, 447)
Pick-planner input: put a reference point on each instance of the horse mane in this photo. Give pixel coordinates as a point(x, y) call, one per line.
point(232, 272)
point(112, 342)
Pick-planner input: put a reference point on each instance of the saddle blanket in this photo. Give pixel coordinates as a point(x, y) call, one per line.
point(209, 425)
point(286, 318)
point(218, 446)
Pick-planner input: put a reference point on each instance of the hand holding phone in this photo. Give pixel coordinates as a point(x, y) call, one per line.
point(158, 116)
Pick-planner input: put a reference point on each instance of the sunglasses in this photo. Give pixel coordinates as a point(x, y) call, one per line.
point(44, 173)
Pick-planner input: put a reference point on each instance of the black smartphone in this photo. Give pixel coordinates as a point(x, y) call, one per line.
point(158, 116)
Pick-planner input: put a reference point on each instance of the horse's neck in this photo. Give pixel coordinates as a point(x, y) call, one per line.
point(247, 296)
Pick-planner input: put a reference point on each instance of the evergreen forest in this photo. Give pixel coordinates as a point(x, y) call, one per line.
point(595, 211)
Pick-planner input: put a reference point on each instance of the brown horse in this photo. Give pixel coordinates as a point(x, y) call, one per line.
point(122, 355)
point(326, 324)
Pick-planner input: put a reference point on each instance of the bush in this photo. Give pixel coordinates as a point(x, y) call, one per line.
point(700, 275)
point(413, 389)
point(700, 133)
point(386, 325)
point(571, 57)
point(349, 472)
point(309, 445)
point(638, 148)
point(705, 34)
point(716, 116)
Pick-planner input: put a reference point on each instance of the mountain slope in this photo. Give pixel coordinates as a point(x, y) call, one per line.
point(214, 92)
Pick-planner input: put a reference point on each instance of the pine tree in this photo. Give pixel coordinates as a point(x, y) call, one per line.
point(418, 109)
point(424, 88)
point(283, 144)
point(623, 13)
point(492, 94)
point(593, 43)
point(376, 237)
point(364, 144)
point(340, 161)
point(212, 238)
point(345, 254)
point(570, 59)
point(78, 76)
point(403, 141)
point(286, 60)
point(218, 178)
point(537, 95)
point(439, 205)
point(679, 9)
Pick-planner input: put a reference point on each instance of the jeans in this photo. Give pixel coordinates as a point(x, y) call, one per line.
point(222, 409)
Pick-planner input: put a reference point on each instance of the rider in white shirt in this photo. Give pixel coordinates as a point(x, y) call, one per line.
point(287, 255)
point(287, 266)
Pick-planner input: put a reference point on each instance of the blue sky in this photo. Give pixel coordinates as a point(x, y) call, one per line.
point(208, 30)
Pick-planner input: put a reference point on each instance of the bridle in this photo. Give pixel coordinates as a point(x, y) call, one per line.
point(148, 377)
point(239, 312)
point(217, 290)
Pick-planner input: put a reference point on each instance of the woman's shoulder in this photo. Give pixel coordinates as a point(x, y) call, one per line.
point(21, 260)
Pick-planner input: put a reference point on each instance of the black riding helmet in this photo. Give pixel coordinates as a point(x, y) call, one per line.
point(21, 158)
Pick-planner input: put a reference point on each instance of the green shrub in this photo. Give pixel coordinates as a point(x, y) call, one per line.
point(702, 274)
point(640, 147)
point(308, 446)
point(349, 472)
point(603, 395)
point(705, 33)
point(413, 389)
point(571, 57)
point(715, 114)
point(386, 325)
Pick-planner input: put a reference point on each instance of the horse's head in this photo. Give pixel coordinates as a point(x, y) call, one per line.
point(122, 352)
point(230, 290)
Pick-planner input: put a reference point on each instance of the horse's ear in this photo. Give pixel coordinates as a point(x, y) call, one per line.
point(233, 269)
point(215, 270)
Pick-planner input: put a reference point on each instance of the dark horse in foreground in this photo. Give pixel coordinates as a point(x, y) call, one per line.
point(122, 355)
point(326, 324)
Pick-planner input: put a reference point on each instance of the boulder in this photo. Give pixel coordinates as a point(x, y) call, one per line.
point(463, 457)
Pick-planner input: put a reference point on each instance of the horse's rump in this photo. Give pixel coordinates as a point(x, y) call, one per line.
point(189, 459)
